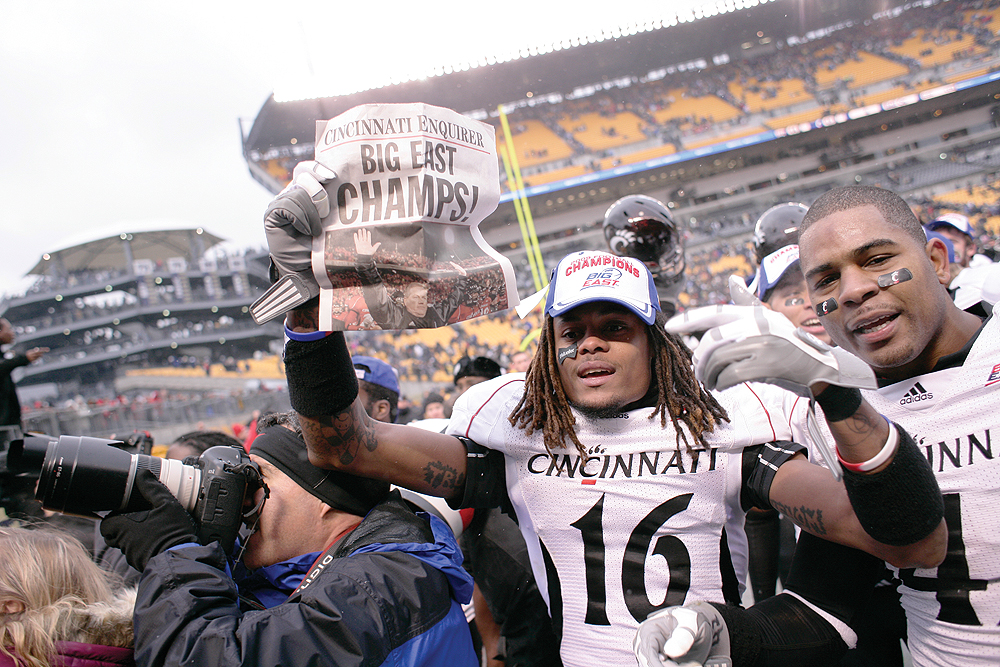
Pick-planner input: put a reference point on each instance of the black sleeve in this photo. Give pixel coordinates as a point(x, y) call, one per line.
point(8, 365)
point(782, 631)
point(760, 463)
point(376, 295)
point(835, 578)
point(485, 479)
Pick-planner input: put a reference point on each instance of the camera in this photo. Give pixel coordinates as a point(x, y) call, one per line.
point(84, 475)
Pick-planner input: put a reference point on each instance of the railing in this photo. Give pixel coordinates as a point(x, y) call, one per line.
point(176, 415)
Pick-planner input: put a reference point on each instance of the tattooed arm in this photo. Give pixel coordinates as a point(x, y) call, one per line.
point(426, 462)
point(809, 496)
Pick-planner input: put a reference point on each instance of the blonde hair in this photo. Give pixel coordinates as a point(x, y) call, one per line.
point(64, 594)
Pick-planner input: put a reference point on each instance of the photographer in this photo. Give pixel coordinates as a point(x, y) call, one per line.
point(191, 444)
point(337, 571)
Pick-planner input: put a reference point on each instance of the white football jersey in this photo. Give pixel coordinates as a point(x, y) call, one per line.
point(953, 611)
point(637, 526)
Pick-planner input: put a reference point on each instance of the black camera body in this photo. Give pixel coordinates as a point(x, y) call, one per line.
point(84, 475)
point(228, 477)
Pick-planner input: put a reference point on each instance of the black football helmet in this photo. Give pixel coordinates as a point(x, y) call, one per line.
point(641, 227)
point(777, 227)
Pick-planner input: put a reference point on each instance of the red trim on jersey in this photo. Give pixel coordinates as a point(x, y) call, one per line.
point(791, 412)
point(774, 436)
point(476, 413)
point(589, 481)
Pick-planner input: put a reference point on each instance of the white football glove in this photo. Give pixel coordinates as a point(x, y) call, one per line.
point(754, 344)
point(694, 635)
point(740, 293)
point(291, 221)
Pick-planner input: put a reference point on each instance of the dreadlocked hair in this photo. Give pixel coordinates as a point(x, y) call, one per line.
point(679, 395)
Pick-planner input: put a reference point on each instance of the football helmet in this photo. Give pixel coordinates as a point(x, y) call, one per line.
point(641, 227)
point(777, 227)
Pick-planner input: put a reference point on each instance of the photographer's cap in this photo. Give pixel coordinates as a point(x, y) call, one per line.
point(375, 371)
point(482, 367)
point(774, 266)
point(286, 451)
point(956, 220)
point(590, 275)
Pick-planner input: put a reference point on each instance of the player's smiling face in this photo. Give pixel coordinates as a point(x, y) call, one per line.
point(894, 329)
point(612, 364)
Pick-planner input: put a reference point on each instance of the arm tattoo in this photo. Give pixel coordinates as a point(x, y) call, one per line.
point(341, 436)
point(305, 317)
point(862, 424)
point(809, 518)
point(442, 476)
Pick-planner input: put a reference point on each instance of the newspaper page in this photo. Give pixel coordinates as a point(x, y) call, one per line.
point(401, 248)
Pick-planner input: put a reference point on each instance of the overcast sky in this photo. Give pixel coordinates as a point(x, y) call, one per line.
point(117, 115)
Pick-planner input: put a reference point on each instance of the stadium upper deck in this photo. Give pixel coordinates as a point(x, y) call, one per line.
point(714, 117)
point(653, 94)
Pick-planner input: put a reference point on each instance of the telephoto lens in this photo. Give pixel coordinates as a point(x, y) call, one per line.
point(84, 475)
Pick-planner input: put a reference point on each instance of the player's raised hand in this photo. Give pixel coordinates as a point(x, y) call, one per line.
point(363, 242)
point(291, 221)
point(752, 343)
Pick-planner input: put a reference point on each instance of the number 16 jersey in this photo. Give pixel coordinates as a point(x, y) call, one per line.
point(641, 524)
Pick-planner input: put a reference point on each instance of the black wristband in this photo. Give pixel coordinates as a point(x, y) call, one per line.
point(900, 504)
point(321, 377)
point(838, 402)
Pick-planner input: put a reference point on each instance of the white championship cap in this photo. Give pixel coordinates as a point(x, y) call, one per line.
point(589, 275)
point(774, 266)
point(956, 220)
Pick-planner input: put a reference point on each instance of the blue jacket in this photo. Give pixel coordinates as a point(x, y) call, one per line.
point(390, 594)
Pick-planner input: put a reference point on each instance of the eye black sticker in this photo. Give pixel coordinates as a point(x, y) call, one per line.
point(894, 278)
point(564, 353)
point(826, 307)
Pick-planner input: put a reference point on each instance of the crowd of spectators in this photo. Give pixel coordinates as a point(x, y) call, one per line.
point(764, 75)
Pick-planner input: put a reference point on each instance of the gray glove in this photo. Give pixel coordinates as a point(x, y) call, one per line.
point(740, 293)
point(292, 219)
point(752, 343)
point(694, 635)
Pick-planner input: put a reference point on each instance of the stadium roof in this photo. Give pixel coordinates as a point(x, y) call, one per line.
point(104, 250)
point(565, 70)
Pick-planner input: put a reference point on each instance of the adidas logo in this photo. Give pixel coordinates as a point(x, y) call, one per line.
point(916, 393)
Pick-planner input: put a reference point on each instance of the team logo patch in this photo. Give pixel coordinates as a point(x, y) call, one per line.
point(994, 376)
point(608, 277)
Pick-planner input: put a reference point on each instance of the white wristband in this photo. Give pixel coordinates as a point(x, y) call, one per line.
point(888, 450)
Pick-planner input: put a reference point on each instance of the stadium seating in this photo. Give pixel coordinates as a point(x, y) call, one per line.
point(535, 143)
point(680, 105)
point(600, 132)
point(744, 132)
point(863, 69)
point(762, 96)
point(923, 47)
